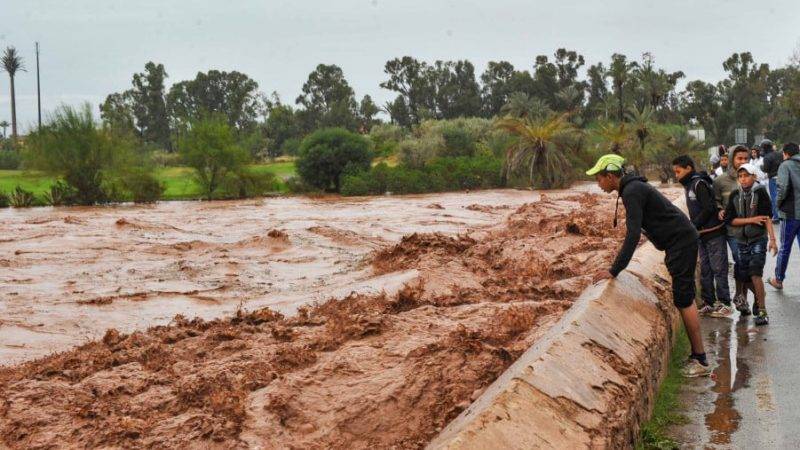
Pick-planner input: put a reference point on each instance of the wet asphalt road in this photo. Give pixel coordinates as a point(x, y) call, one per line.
point(752, 401)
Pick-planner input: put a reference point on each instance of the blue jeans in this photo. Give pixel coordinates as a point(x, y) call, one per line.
point(773, 196)
point(790, 231)
point(752, 258)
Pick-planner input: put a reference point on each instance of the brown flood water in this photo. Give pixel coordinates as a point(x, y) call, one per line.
point(68, 274)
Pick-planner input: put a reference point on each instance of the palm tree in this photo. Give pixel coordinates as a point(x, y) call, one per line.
point(615, 136)
point(570, 98)
point(4, 125)
point(619, 71)
point(12, 63)
point(520, 104)
point(678, 143)
point(642, 125)
point(540, 141)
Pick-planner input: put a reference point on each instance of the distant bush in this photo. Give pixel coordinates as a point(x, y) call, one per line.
point(246, 184)
point(210, 148)
point(327, 154)
point(10, 159)
point(165, 159)
point(85, 155)
point(297, 185)
point(143, 186)
point(60, 193)
point(441, 174)
point(5, 202)
point(20, 198)
point(417, 152)
point(291, 147)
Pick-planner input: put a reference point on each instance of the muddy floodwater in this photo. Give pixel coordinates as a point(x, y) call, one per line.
point(68, 274)
point(282, 323)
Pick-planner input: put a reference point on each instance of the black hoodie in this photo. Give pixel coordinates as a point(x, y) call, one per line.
point(648, 210)
point(703, 211)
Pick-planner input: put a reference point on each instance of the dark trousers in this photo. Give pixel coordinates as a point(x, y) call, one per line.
point(714, 271)
point(681, 264)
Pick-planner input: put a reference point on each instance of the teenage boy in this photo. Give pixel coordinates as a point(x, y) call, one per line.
point(704, 215)
point(646, 210)
point(723, 186)
point(788, 202)
point(750, 209)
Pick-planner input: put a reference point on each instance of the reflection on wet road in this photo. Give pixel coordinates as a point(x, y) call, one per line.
point(753, 398)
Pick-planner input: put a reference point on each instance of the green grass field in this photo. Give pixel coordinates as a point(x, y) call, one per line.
point(179, 181)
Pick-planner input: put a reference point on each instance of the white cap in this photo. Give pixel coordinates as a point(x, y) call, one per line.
point(749, 168)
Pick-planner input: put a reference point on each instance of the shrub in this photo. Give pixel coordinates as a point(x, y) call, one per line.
point(291, 147)
point(384, 133)
point(297, 185)
point(20, 198)
point(10, 160)
point(143, 186)
point(5, 202)
point(457, 142)
point(325, 154)
point(209, 147)
point(60, 193)
point(246, 184)
point(415, 153)
point(72, 146)
point(165, 159)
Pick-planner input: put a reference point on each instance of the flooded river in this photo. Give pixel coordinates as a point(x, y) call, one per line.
point(68, 274)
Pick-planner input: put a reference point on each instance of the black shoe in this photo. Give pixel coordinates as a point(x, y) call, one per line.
point(756, 310)
point(762, 318)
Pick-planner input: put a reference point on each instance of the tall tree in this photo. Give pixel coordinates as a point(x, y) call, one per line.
point(149, 105)
point(619, 71)
point(496, 81)
point(598, 89)
point(12, 63)
point(413, 82)
point(280, 125)
point(232, 94)
point(457, 91)
point(328, 100)
point(117, 113)
point(367, 110)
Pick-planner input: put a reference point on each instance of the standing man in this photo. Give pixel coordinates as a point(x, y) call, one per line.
point(723, 165)
point(668, 229)
point(769, 165)
point(723, 186)
point(704, 215)
point(788, 202)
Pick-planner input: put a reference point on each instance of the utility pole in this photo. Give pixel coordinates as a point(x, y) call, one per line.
point(38, 87)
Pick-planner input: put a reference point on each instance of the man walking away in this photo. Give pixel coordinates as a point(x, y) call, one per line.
point(788, 202)
point(723, 186)
point(704, 215)
point(646, 210)
point(771, 161)
point(750, 209)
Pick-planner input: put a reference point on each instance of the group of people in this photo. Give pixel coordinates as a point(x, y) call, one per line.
point(736, 207)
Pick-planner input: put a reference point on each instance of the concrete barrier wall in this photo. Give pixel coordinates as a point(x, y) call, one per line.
point(591, 381)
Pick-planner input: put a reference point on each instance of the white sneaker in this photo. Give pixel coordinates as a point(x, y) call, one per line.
point(706, 310)
point(694, 369)
point(722, 311)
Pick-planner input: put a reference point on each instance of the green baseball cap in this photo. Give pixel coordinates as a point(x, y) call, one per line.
point(611, 162)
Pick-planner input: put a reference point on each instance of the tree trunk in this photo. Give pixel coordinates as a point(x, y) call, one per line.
point(13, 111)
point(621, 104)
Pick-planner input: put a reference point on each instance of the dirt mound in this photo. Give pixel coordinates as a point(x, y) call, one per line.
point(412, 247)
point(369, 371)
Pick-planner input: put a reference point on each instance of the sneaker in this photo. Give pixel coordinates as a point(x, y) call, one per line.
point(775, 283)
point(741, 305)
point(762, 318)
point(694, 369)
point(722, 311)
point(706, 309)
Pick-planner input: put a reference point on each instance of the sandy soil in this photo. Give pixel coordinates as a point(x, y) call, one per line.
point(369, 371)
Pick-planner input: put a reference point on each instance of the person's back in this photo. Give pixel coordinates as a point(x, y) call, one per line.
point(789, 188)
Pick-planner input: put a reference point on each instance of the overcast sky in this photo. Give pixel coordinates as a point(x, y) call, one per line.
point(90, 48)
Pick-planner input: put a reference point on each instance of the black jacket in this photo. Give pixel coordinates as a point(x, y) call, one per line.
point(772, 161)
point(703, 211)
point(649, 211)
